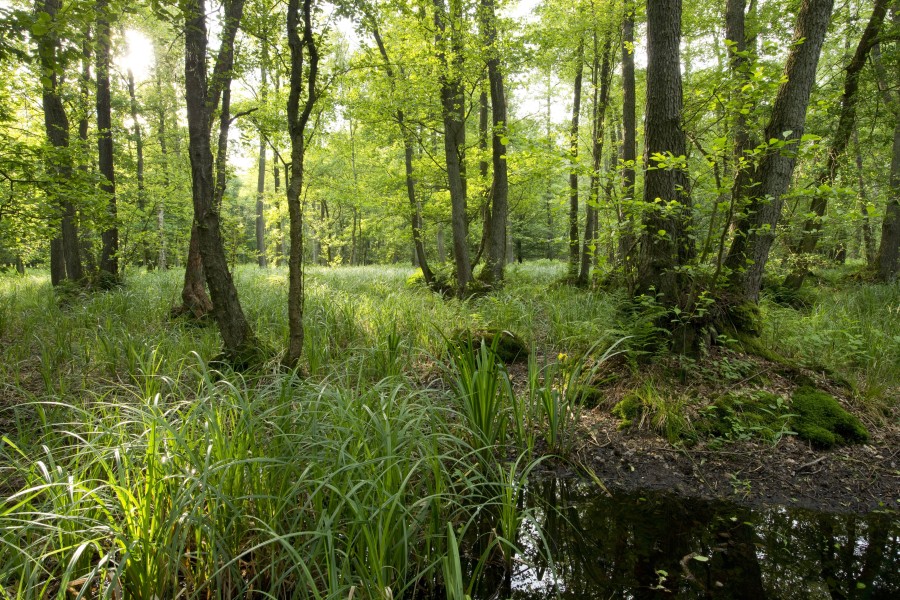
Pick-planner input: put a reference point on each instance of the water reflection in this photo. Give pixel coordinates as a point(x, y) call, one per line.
point(653, 545)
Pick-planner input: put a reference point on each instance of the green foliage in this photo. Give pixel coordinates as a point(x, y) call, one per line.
point(665, 414)
point(745, 416)
point(823, 422)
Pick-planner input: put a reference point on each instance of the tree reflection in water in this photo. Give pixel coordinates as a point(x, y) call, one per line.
point(653, 545)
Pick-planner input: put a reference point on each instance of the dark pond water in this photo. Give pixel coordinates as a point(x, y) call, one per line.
point(655, 545)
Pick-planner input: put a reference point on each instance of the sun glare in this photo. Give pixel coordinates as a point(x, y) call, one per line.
point(139, 55)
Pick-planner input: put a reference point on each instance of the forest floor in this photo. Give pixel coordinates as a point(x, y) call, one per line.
point(788, 471)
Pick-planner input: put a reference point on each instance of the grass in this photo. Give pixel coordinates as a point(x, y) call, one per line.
point(128, 469)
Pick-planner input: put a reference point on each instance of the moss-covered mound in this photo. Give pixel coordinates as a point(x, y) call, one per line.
point(822, 421)
point(628, 409)
point(758, 414)
point(508, 346)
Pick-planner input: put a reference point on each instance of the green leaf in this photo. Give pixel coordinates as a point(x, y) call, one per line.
point(701, 558)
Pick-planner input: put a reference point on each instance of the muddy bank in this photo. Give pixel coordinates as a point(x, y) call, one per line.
point(851, 479)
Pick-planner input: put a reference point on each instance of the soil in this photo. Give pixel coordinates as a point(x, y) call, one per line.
point(857, 479)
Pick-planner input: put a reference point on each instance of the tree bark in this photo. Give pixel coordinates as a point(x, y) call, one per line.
point(629, 137)
point(237, 335)
point(161, 208)
point(812, 228)
point(415, 211)
point(109, 255)
point(573, 156)
point(65, 258)
point(496, 257)
point(887, 261)
point(453, 104)
point(602, 75)
point(297, 120)
point(261, 176)
point(755, 232)
point(666, 245)
point(139, 149)
point(868, 240)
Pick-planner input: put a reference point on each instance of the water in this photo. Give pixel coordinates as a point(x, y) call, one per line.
point(652, 545)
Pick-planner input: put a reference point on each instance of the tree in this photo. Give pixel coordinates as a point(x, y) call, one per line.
point(845, 127)
point(109, 257)
point(261, 176)
point(65, 260)
point(763, 195)
point(202, 100)
point(298, 118)
point(496, 261)
point(887, 261)
point(453, 107)
point(666, 246)
point(415, 211)
point(573, 153)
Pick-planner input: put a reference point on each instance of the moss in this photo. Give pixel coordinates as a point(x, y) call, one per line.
point(628, 409)
point(508, 346)
point(823, 422)
point(746, 318)
point(759, 414)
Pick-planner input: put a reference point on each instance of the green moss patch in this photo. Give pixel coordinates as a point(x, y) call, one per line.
point(823, 422)
point(628, 409)
point(755, 415)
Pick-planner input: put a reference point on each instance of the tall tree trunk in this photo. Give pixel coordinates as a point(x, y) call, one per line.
point(602, 74)
point(573, 156)
point(65, 260)
point(483, 170)
point(85, 250)
point(755, 233)
point(161, 207)
point(415, 211)
point(887, 261)
point(139, 149)
point(109, 255)
point(453, 103)
point(297, 121)
point(496, 257)
point(868, 240)
point(812, 228)
point(237, 335)
point(667, 244)
point(629, 138)
point(261, 175)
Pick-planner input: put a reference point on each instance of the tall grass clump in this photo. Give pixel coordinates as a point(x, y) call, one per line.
point(850, 330)
point(222, 489)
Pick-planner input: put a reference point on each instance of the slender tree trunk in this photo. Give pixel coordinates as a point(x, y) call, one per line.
point(298, 117)
point(261, 176)
point(453, 103)
point(86, 262)
point(667, 244)
point(602, 74)
point(483, 170)
point(887, 261)
point(573, 156)
point(812, 229)
point(160, 206)
point(755, 233)
point(629, 138)
point(415, 210)
point(237, 335)
point(868, 240)
point(109, 259)
point(496, 257)
point(65, 260)
point(139, 149)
